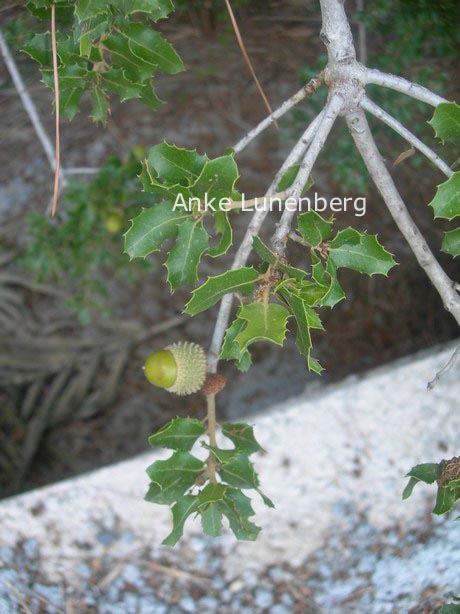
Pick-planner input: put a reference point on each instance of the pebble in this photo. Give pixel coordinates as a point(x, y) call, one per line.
point(263, 598)
point(188, 604)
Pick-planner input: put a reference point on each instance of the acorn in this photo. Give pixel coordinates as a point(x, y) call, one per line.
point(179, 368)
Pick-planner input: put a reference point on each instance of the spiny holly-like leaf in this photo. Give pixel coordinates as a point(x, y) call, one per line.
point(123, 57)
point(184, 258)
point(242, 436)
point(360, 252)
point(327, 278)
point(236, 506)
point(313, 228)
point(179, 434)
point(211, 493)
point(223, 456)
point(240, 473)
point(266, 255)
point(174, 165)
point(151, 228)
point(290, 176)
point(39, 48)
point(265, 322)
point(238, 280)
point(150, 47)
point(446, 203)
point(184, 507)
point(87, 9)
point(217, 179)
point(115, 80)
point(446, 121)
point(426, 472)
point(211, 520)
point(223, 228)
point(231, 350)
point(156, 9)
point(451, 242)
point(100, 105)
point(312, 292)
point(445, 500)
point(171, 478)
point(149, 97)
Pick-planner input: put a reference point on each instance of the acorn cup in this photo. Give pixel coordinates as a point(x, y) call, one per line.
point(179, 368)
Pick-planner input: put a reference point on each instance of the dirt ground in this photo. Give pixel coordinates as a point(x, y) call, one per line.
point(209, 107)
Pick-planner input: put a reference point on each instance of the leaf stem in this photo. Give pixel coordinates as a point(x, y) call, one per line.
point(212, 427)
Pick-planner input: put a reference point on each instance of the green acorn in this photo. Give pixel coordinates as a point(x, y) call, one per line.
point(179, 368)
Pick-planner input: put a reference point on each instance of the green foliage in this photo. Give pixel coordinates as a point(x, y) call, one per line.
point(446, 122)
point(188, 484)
point(75, 249)
point(447, 476)
point(103, 48)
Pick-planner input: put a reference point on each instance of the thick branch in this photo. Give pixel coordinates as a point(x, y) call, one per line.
point(331, 111)
point(404, 86)
point(393, 123)
point(245, 248)
point(336, 32)
point(365, 143)
point(307, 90)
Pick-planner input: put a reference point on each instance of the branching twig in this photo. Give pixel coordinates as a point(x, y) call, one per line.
point(404, 86)
point(362, 136)
point(450, 363)
point(308, 90)
point(393, 123)
point(331, 111)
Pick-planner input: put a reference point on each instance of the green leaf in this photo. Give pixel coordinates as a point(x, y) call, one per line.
point(216, 180)
point(178, 434)
point(360, 252)
point(211, 493)
point(149, 97)
point(175, 165)
point(290, 176)
point(184, 258)
point(231, 350)
point(39, 48)
point(410, 488)
point(242, 436)
point(87, 9)
point(115, 80)
point(450, 608)
point(446, 203)
point(70, 101)
point(151, 228)
point(171, 478)
point(72, 76)
point(239, 472)
point(236, 506)
point(266, 255)
point(265, 322)
point(451, 243)
point(123, 57)
point(156, 9)
point(184, 507)
point(223, 227)
point(211, 520)
point(313, 228)
point(223, 456)
point(237, 280)
point(426, 472)
point(446, 121)
point(100, 106)
point(150, 47)
point(445, 500)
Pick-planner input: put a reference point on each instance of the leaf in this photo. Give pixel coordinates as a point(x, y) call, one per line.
point(151, 228)
point(265, 322)
point(175, 165)
point(445, 500)
point(223, 227)
point(171, 478)
point(410, 488)
point(149, 97)
point(223, 456)
point(184, 507)
point(266, 255)
point(360, 252)
point(446, 121)
point(184, 258)
point(426, 472)
point(313, 228)
point(450, 608)
point(216, 180)
point(100, 106)
point(87, 9)
point(156, 9)
point(178, 434)
point(211, 493)
point(236, 506)
point(237, 280)
point(151, 48)
point(231, 350)
point(39, 48)
point(239, 472)
point(290, 176)
point(70, 101)
point(451, 243)
point(242, 436)
point(211, 520)
point(446, 203)
point(115, 80)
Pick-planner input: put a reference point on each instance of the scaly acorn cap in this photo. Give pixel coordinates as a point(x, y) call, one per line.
point(179, 368)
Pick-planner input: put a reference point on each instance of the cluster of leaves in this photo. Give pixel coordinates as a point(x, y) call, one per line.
point(80, 245)
point(185, 482)
point(446, 474)
point(446, 203)
point(270, 293)
point(104, 47)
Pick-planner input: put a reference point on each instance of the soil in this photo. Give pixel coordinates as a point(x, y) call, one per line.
point(209, 107)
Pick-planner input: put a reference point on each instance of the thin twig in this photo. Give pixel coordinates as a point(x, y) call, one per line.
point(212, 426)
point(365, 143)
point(393, 123)
point(404, 86)
point(56, 104)
point(331, 111)
point(308, 90)
point(242, 46)
point(450, 363)
point(245, 248)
